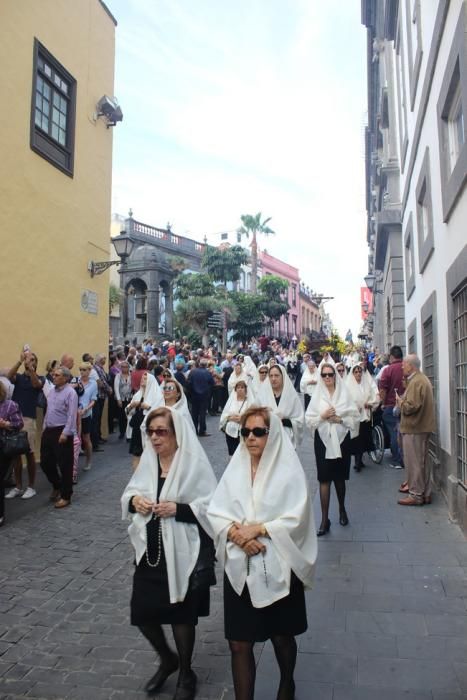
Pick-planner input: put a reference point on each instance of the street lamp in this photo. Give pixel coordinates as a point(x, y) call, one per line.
point(123, 245)
point(370, 281)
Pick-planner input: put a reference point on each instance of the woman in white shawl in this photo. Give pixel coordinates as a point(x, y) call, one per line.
point(238, 402)
point(262, 517)
point(261, 385)
point(237, 374)
point(331, 416)
point(174, 397)
point(147, 397)
point(309, 381)
point(285, 403)
point(166, 501)
point(364, 392)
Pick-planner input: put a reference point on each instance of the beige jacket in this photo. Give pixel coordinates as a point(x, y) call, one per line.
point(418, 408)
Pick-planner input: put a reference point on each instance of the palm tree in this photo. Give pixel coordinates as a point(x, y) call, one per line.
point(253, 225)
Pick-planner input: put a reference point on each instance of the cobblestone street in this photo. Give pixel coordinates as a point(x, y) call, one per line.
point(387, 616)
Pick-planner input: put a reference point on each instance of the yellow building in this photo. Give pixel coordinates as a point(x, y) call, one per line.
point(57, 59)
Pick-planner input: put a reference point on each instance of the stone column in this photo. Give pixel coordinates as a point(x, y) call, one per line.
point(169, 311)
point(152, 312)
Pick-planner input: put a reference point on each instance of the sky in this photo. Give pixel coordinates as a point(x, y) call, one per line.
point(250, 106)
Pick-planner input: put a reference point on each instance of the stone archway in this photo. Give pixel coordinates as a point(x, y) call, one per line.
point(135, 320)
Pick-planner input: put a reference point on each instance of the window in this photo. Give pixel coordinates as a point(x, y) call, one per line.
point(409, 258)
point(460, 350)
point(424, 214)
point(401, 99)
point(414, 45)
point(294, 295)
point(224, 236)
point(429, 368)
point(52, 110)
point(451, 112)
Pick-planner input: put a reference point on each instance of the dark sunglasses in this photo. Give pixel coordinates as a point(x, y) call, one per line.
point(257, 432)
point(169, 387)
point(341, 370)
point(327, 374)
point(159, 432)
point(263, 371)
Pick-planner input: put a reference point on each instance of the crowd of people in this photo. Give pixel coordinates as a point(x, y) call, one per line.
point(258, 520)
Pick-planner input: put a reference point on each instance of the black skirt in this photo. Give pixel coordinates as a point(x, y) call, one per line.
point(244, 623)
point(332, 469)
point(363, 442)
point(150, 601)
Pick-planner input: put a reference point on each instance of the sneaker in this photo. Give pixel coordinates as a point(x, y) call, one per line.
point(87, 467)
point(396, 466)
point(29, 493)
point(13, 493)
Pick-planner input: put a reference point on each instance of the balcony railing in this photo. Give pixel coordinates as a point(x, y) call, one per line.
point(176, 243)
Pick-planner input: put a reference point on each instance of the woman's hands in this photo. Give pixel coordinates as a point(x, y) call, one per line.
point(165, 509)
point(328, 413)
point(5, 424)
point(245, 537)
point(143, 506)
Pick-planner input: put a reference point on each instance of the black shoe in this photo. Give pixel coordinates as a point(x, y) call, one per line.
point(97, 449)
point(163, 672)
point(343, 519)
point(186, 687)
point(2, 520)
point(324, 530)
point(102, 441)
point(204, 435)
point(120, 437)
point(357, 468)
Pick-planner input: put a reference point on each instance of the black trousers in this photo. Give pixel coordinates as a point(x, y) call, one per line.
point(199, 406)
point(97, 411)
point(122, 417)
point(4, 467)
point(57, 461)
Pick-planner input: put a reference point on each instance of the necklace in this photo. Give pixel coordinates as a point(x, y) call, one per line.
point(153, 565)
point(265, 573)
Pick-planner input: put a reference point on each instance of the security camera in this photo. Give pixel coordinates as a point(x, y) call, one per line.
point(109, 108)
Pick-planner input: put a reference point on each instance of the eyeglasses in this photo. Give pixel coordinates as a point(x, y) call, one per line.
point(169, 387)
point(326, 375)
point(341, 370)
point(158, 432)
point(263, 371)
point(257, 432)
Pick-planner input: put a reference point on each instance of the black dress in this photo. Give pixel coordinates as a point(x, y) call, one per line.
point(150, 601)
point(364, 441)
point(244, 623)
point(332, 469)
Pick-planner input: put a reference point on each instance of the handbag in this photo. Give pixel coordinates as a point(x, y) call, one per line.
point(13, 444)
point(203, 575)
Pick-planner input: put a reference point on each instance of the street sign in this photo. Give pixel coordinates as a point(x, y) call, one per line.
point(216, 320)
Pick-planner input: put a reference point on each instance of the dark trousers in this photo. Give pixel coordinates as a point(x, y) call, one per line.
point(307, 399)
point(122, 417)
point(57, 461)
point(112, 413)
point(97, 410)
point(217, 398)
point(392, 424)
point(199, 406)
point(4, 467)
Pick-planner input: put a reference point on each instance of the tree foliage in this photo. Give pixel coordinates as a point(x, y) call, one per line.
point(193, 284)
point(115, 296)
point(250, 319)
point(224, 264)
point(272, 290)
point(251, 226)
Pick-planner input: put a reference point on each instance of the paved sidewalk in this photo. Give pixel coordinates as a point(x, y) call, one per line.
point(387, 616)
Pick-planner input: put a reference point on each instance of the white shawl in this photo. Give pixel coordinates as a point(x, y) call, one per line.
point(190, 480)
point(289, 407)
point(332, 434)
point(364, 393)
point(278, 498)
point(234, 378)
point(262, 389)
point(307, 377)
point(151, 395)
point(233, 406)
point(181, 406)
point(249, 367)
point(330, 361)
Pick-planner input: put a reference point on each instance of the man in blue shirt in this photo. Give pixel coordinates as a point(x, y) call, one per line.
point(200, 382)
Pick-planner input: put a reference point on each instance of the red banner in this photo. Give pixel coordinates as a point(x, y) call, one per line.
point(366, 301)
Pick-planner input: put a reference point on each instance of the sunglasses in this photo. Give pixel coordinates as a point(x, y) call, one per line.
point(158, 432)
point(327, 374)
point(170, 387)
point(341, 370)
point(257, 432)
point(263, 371)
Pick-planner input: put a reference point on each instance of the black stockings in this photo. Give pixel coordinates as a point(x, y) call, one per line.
point(184, 636)
point(325, 495)
point(340, 492)
point(243, 669)
point(285, 649)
